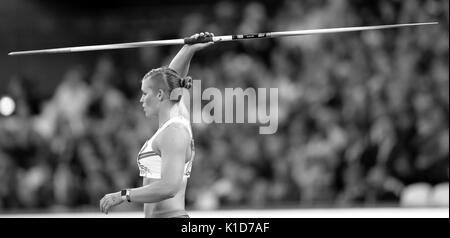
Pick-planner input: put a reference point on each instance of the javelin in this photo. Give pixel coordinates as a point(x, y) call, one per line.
point(189, 40)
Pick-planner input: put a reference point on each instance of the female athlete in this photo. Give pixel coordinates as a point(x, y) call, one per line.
point(165, 160)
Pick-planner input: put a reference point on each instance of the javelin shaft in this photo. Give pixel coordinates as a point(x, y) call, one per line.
point(316, 31)
point(214, 39)
point(346, 29)
point(101, 47)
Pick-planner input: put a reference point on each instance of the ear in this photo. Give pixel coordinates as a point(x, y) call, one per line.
point(160, 95)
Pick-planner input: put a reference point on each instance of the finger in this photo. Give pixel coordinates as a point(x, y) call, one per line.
point(202, 34)
point(106, 208)
point(196, 36)
point(102, 204)
point(105, 205)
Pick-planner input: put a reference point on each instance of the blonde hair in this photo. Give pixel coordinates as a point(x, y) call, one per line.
point(170, 79)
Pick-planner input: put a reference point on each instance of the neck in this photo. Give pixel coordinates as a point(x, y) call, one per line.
point(167, 111)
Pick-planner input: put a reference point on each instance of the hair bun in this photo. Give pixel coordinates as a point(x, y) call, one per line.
point(186, 82)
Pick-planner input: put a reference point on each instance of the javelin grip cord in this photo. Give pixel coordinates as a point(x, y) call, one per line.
point(206, 39)
point(250, 36)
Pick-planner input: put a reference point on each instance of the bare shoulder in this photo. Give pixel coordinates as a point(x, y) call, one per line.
point(176, 134)
point(175, 130)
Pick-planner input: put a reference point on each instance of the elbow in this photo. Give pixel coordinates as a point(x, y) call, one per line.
point(171, 194)
point(172, 191)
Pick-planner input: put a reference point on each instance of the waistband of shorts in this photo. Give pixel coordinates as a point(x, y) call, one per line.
point(169, 214)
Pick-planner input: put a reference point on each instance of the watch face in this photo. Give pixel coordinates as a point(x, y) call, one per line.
point(123, 192)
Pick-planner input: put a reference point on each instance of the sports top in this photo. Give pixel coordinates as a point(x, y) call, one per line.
point(150, 162)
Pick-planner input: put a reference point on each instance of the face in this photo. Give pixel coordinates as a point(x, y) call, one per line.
point(150, 99)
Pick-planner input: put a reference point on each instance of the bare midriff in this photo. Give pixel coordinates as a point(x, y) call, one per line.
point(171, 207)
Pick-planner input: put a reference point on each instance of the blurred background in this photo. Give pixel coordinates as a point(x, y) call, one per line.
point(363, 117)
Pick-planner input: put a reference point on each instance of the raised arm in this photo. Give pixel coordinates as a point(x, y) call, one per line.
point(182, 60)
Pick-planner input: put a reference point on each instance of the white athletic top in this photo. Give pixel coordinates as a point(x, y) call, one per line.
point(149, 162)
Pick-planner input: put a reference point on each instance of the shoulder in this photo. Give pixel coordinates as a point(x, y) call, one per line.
point(175, 134)
point(176, 129)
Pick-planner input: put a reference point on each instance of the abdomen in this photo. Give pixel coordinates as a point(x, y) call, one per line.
point(168, 206)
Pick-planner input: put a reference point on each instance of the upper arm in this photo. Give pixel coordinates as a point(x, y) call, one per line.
point(173, 145)
point(181, 62)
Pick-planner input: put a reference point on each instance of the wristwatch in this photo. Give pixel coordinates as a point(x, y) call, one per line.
point(125, 194)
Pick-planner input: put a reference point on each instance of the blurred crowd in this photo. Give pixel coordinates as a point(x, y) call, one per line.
point(361, 115)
